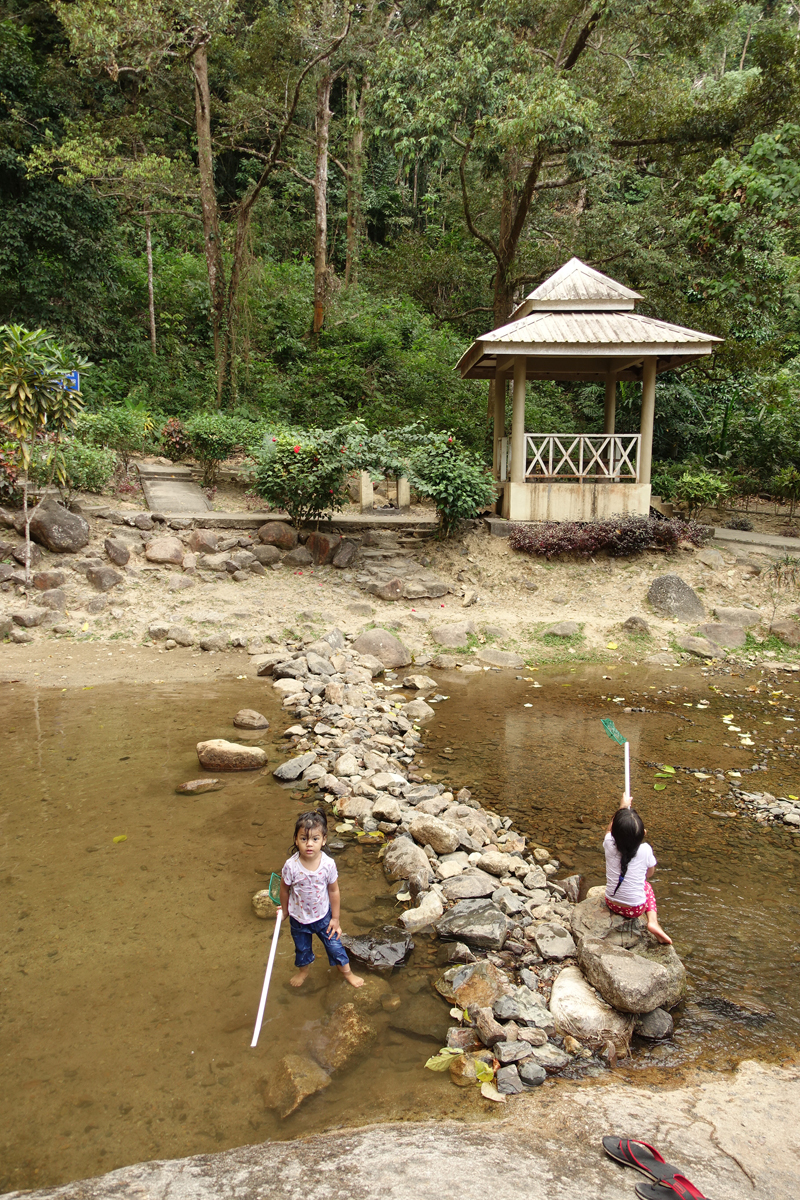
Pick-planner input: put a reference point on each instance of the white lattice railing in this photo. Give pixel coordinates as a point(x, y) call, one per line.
point(611, 456)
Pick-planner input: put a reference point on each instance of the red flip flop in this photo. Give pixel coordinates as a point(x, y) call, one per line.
point(641, 1157)
point(668, 1189)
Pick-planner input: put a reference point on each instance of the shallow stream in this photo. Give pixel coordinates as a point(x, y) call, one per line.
point(131, 969)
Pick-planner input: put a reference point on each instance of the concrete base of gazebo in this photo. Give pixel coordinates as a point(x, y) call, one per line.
point(586, 501)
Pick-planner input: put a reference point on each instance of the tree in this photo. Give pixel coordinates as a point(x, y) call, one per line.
point(36, 400)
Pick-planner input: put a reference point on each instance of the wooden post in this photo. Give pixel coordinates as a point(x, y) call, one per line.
point(498, 397)
point(610, 411)
point(366, 495)
point(518, 422)
point(403, 492)
point(648, 414)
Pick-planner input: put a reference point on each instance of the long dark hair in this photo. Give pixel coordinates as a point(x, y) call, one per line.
point(627, 830)
point(310, 820)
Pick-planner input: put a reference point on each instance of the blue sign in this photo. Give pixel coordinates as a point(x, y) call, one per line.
point(71, 382)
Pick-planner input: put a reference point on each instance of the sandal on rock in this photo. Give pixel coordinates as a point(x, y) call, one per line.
point(668, 1189)
point(641, 1157)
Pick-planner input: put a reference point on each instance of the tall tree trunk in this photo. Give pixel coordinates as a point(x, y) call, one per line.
point(323, 124)
point(501, 305)
point(212, 241)
point(355, 176)
point(151, 305)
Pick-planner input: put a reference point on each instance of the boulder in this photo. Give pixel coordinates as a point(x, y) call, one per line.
point(59, 530)
point(564, 629)
point(180, 635)
point(356, 808)
point(531, 1073)
point(636, 625)
point(422, 683)
point(384, 646)
point(346, 1037)
point(288, 687)
point(293, 768)
point(165, 550)
point(219, 755)
point(196, 787)
point(500, 658)
point(204, 541)
point(29, 618)
point(511, 1052)
point(654, 1025)
point(670, 596)
point(455, 635)
point(746, 617)
point(428, 909)
point(386, 808)
point(476, 922)
point(731, 636)
point(380, 949)
point(346, 765)
point(404, 859)
point(117, 551)
point(417, 710)
point(278, 533)
point(392, 590)
point(290, 1081)
point(323, 546)
point(479, 984)
point(471, 885)
point(430, 831)
point(55, 599)
point(662, 658)
point(489, 1031)
point(299, 557)
point(463, 1039)
point(463, 1069)
point(787, 629)
point(104, 578)
point(266, 555)
point(554, 941)
point(508, 1082)
point(44, 581)
point(633, 981)
point(524, 1006)
point(579, 1012)
point(345, 555)
point(248, 718)
point(216, 642)
point(711, 558)
point(550, 1058)
point(700, 647)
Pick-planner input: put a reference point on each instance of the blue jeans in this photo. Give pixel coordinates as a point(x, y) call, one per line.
point(304, 955)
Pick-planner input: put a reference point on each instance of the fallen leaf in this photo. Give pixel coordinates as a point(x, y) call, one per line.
point(122, 837)
point(490, 1092)
point(527, 706)
point(442, 1060)
point(611, 645)
point(659, 787)
point(483, 1071)
point(670, 770)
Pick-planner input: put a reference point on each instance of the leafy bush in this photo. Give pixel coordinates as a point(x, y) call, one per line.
point(9, 471)
point(303, 473)
point(700, 489)
point(786, 485)
point(620, 538)
point(86, 468)
point(740, 523)
point(175, 441)
point(125, 429)
point(454, 479)
point(213, 437)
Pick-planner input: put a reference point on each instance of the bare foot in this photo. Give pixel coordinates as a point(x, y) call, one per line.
point(355, 980)
point(299, 979)
point(658, 933)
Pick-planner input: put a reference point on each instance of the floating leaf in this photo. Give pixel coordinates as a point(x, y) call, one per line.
point(455, 1013)
point(661, 775)
point(791, 797)
point(659, 787)
point(490, 1092)
point(345, 827)
point(527, 706)
point(483, 1071)
point(668, 769)
point(122, 837)
point(442, 1060)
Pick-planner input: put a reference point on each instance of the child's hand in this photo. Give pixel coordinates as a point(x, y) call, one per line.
point(334, 928)
point(627, 801)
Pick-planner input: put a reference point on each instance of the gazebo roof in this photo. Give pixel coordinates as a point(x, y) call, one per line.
point(579, 324)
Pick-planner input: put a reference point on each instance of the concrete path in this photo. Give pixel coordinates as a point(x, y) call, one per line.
point(171, 490)
point(734, 539)
point(736, 1136)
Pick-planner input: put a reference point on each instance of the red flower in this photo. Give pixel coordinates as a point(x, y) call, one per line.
point(297, 449)
point(274, 439)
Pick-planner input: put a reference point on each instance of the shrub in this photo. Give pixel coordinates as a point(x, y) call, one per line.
point(454, 479)
point(213, 437)
point(86, 468)
point(175, 441)
point(786, 485)
point(303, 473)
point(126, 430)
point(699, 489)
point(620, 538)
point(740, 523)
point(9, 492)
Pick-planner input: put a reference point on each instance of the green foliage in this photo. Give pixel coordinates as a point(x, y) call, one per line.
point(453, 478)
point(9, 473)
point(213, 438)
point(786, 484)
point(303, 473)
point(700, 489)
point(175, 441)
point(124, 429)
point(86, 467)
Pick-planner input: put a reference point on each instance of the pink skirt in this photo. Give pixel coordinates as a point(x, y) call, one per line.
point(624, 910)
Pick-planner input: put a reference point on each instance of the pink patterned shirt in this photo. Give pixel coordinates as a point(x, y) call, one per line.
point(308, 890)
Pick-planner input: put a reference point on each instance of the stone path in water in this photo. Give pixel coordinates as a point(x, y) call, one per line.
point(735, 1136)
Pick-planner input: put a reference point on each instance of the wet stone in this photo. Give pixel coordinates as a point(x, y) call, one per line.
point(476, 922)
point(292, 1080)
point(532, 1073)
point(196, 787)
point(508, 1081)
point(381, 949)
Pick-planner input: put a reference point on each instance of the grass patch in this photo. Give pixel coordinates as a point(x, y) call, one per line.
point(770, 642)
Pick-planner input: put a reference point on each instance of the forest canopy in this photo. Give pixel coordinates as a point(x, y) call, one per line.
point(305, 212)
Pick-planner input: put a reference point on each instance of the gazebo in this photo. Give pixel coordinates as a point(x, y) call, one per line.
point(577, 325)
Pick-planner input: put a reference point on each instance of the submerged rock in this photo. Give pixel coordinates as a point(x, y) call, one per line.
point(196, 787)
point(248, 718)
point(380, 949)
point(292, 1080)
point(347, 1036)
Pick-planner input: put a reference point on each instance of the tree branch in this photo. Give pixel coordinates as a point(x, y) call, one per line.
point(583, 37)
point(556, 183)
point(487, 241)
point(524, 204)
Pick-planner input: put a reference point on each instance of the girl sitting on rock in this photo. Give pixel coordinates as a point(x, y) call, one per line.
point(629, 864)
point(310, 898)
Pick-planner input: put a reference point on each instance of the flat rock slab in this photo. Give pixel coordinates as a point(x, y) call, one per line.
point(174, 495)
point(381, 949)
point(219, 755)
point(472, 885)
point(476, 922)
point(735, 1135)
point(730, 636)
point(500, 658)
